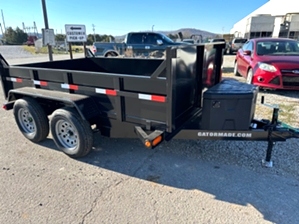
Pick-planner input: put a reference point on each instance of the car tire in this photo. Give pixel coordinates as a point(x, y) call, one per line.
point(249, 76)
point(31, 119)
point(110, 54)
point(236, 73)
point(71, 134)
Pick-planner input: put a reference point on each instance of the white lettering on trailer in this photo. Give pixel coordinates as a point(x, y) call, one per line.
point(225, 134)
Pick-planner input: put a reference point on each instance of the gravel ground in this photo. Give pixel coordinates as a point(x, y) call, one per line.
point(240, 153)
point(12, 52)
point(285, 154)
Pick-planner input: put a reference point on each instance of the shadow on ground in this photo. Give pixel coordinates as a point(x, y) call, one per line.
point(273, 196)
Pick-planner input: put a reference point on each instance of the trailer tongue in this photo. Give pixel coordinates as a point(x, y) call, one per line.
point(180, 96)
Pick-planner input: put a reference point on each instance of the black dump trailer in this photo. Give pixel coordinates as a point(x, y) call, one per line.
point(180, 96)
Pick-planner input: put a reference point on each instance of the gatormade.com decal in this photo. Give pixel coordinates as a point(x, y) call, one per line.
point(225, 134)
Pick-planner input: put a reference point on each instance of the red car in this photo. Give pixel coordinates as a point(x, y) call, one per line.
point(269, 63)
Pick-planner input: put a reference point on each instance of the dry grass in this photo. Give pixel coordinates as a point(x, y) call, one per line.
point(287, 101)
point(44, 50)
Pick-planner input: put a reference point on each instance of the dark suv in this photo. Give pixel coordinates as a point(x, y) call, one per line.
point(235, 45)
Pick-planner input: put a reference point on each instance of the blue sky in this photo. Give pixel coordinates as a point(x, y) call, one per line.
point(117, 17)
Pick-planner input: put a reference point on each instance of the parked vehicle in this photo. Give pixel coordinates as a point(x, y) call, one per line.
point(31, 40)
point(136, 44)
point(235, 45)
point(154, 100)
point(220, 40)
point(191, 41)
point(269, 63)
point(194, 39)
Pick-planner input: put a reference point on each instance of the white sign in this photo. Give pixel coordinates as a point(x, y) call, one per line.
point(48, 37)
point(75, 33)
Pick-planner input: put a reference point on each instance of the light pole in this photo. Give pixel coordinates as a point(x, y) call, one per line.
point(153, 28)
point(47, 27)
point(94, 34)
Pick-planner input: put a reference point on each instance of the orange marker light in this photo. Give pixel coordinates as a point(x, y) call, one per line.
point(147, 144)
point(157, 140)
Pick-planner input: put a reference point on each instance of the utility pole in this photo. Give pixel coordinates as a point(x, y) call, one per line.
point(1, 29)
point(47, 27)
point(153, 28)
point(94, 34)
point(3, 21)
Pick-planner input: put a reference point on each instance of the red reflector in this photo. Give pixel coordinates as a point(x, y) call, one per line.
point(73, 87)
point(4, 107)
point(18, 80)
point(158, 98)
point(111, 92)
point(43, 83)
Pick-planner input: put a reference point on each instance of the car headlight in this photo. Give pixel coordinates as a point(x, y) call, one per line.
point(267, 67)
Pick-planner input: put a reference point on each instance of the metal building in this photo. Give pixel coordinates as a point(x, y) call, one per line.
point(275, 18)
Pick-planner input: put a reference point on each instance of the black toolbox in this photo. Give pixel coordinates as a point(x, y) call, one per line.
point(229, 105)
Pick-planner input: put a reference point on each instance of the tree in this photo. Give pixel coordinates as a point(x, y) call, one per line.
point(99, 38)
point(21, 37)
point(59, 37)
point(90, 39)
point(15, 36)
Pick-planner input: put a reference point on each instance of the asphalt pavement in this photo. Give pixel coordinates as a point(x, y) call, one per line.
point(122, 182)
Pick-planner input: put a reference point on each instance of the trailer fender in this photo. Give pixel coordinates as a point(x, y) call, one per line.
point(85, 105)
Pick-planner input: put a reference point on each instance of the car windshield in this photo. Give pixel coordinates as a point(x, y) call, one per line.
point(166, 38)
point(277, 48)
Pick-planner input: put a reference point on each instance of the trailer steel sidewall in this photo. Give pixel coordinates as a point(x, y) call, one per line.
point(71, 133)
point(31, 119)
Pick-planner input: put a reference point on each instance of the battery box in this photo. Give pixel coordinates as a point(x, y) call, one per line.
point(229, 105)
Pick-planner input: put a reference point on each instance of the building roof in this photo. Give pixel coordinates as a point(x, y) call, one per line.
point(271, 8)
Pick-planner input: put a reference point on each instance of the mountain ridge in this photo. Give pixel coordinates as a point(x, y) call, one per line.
point(187, 32)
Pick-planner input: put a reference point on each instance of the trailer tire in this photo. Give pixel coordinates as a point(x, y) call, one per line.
point(31, 119)
point(71, 133)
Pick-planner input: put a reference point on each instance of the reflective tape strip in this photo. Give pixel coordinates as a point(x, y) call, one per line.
point(41, 83)
point(106, 91)
point(101, 91)
point(69, 86)
point(161, 99)
point(144, 96)
point(14, 79)
point(155, 98)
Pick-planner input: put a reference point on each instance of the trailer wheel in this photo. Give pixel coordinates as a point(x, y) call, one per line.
point(31, 119)
point(71, 133)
